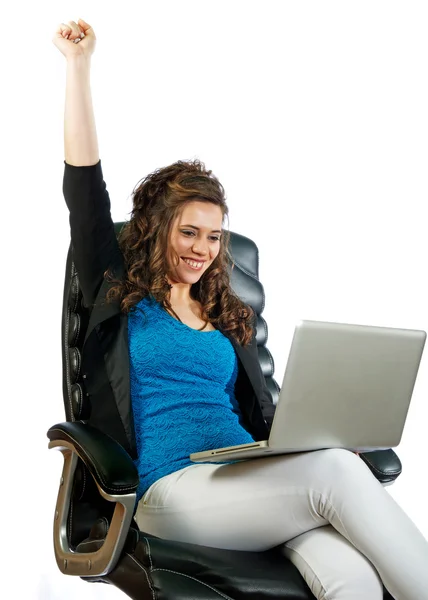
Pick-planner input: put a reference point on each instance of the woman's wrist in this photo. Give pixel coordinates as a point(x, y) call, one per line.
point(79, 61)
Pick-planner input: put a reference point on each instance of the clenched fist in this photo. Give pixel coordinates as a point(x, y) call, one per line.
point(75, 39)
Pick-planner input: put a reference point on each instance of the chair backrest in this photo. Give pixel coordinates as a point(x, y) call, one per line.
point(75, 318)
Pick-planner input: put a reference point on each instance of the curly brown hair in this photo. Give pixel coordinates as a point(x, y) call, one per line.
point(158, 199)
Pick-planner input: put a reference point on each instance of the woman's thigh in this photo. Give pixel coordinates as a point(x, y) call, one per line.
point(252, 505)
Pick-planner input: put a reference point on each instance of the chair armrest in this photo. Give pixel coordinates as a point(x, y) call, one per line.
point(384, 464)
point(109, 464)
point(116, 478)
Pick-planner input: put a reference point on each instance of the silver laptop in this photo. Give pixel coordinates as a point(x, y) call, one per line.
point(345, 386)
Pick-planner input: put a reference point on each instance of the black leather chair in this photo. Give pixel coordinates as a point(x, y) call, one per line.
point(95, 536)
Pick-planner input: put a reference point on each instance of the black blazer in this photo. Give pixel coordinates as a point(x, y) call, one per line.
point(105, 352)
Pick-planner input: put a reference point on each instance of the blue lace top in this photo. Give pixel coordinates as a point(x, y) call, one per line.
point(182, 391)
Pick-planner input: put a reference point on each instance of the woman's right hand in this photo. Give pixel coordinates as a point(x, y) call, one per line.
point(66, 34)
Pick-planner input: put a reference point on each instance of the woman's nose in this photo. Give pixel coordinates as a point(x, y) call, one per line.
point(199, 247)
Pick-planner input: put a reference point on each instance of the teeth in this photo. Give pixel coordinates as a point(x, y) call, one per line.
point(193, 263)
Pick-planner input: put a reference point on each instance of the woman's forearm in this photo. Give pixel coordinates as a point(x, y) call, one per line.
point(80, 135)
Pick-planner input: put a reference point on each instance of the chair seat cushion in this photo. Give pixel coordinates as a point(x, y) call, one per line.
point(214, 573)
point(155, 569)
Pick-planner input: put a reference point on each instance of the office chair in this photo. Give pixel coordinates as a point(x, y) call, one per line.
point(95, 535)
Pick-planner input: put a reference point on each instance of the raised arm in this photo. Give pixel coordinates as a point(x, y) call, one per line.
point(95, 246)
point(80, 135)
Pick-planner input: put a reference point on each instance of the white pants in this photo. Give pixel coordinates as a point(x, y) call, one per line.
point(338, 525)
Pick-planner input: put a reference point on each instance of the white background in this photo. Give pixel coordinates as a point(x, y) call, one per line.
point(314, 117)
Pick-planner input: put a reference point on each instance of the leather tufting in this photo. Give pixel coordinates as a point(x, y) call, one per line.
point(266, 361)
point(244, 253)
point(75, 362)
point(73, 297)
point(261, 331)
point(250, 290)
point(273, 388)
point(75, 321)
point(74, 328)
point(77, 402)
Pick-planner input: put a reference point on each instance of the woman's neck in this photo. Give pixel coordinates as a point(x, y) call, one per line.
point(180, 294)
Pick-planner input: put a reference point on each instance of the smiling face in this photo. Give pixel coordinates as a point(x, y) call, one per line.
point(195, 239)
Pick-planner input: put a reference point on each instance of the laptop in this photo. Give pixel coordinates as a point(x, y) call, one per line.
point(345, 386)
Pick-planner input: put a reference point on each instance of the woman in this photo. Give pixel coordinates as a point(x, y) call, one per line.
point(186, 332)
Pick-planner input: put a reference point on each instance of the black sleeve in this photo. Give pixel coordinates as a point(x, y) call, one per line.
point(95, 246)
point(267, 406)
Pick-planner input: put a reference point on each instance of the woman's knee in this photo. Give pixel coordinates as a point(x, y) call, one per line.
point(340, 456)
point(343, 464)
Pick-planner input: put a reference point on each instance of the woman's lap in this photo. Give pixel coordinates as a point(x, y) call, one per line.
point(252, 505)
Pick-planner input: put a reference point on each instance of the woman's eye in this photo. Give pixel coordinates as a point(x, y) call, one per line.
point(189, 233)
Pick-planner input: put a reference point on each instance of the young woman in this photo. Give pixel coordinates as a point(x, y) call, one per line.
point(195, 381)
